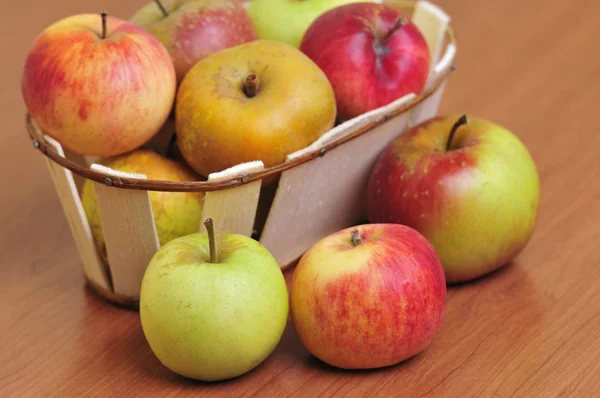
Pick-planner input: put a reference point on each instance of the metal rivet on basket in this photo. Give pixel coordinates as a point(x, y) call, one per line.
point(322, 152)
point(245, 178)
point(108, 181)
point(36, 144)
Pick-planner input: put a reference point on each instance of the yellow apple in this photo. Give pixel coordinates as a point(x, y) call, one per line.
point(175, 213)
point(258, 101)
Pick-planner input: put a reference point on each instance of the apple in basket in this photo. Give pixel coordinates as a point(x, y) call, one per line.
point(285, 20)
point(371, 53)
point(468, 185)
point(213, 307)
point(175, 213)
point(368, 296)
point(99, 85)
point(260, 100)
point(193, 29)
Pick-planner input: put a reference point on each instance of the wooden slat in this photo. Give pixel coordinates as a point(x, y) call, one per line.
point(233, 210)
point(129, 232)
point(327, 194)
point(433, 23)
point(93, 267)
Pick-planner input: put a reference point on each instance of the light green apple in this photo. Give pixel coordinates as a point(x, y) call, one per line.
point(287, 20)
point(213, 311)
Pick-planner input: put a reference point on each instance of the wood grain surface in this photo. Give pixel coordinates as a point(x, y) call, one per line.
point(531, 329)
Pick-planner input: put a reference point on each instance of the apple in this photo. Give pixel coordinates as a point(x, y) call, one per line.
point(99, 85)
point(175, 213)
point(368, 296)
point(468, 185)
point(287, 20)
point(193, 29)
point(257, 101)
point(213, 310)
point(371, 53)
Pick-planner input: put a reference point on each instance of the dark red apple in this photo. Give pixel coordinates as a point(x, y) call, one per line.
point(371, 53)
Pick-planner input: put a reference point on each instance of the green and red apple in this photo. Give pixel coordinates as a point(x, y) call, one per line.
point(371, 53)
point(468, 185)
point(175, 213)
point(193, 29)
point(257, 101)
point(288, 20)
point(213, 309)
point(369, 296)
point(99, 85)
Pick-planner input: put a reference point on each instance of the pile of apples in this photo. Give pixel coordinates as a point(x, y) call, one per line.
point(448, 201)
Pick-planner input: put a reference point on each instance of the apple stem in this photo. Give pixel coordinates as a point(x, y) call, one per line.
point(251, 85)
point(461, 121)
point(103, 14)
point(400, 22)
point(355, 237)
point(211, 239)
point(162, 8)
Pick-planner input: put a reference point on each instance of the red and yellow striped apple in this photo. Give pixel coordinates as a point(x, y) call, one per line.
point(371, 53)
point(193, 29)
point(99, 85)
point(369, 296)
point(471, 189)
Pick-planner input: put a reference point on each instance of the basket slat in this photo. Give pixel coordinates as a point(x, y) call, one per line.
point(233, 210)
point(433, 23)
point(129, 231)
point(64, 183)
point(326, 194)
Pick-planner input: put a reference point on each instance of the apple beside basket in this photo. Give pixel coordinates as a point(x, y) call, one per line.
point(321, 188)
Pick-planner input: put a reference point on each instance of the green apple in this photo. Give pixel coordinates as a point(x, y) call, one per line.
point(469, 186)
point(213, 311)
point(287, 20)
point(175, 213)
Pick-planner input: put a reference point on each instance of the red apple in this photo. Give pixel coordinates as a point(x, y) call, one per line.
point(471, 189)
point(369, 296)
point(101, 86)
point(371, 54)
point(193, 29)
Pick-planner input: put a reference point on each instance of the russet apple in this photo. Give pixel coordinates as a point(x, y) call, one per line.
point(287, 20)
point(213, 308)
point(371, 53)
point(258, 101)
point(99, 85)
point(193, 29)
point(175, 213)
point(468, 185)
point(368, 296)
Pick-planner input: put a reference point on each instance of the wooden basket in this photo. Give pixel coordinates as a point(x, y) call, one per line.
point(321, 187)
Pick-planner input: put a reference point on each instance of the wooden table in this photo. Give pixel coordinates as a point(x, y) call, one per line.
point(531, 329)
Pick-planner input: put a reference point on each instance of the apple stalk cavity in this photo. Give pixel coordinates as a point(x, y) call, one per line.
point(251, 85)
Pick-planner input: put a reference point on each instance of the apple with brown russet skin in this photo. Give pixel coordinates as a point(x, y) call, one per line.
point(99, 85)
point(257, 101)
point(467, 184)
point(371, 53)
point(368, 296)
point(193, 29)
